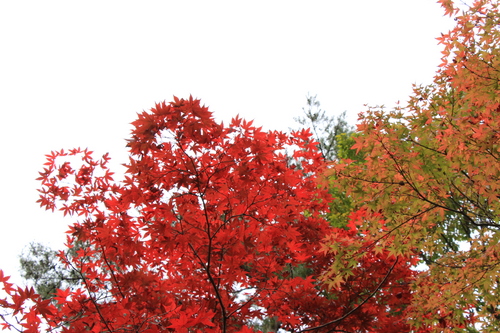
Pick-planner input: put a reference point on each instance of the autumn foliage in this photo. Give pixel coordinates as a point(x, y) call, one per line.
point(212, 228)
point(215, 228)
point(432, 170)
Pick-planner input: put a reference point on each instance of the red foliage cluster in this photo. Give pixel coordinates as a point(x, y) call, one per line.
point(211, 228)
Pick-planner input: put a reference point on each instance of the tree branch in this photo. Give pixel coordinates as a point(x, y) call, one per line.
point(357, 307)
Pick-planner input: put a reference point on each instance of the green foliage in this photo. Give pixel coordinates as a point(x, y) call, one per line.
point(268, 325)
point(344, 142)
point(41, 266)
point(326, 129)
point(335, 137)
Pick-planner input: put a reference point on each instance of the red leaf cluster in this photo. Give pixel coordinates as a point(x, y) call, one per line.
point(208, 231)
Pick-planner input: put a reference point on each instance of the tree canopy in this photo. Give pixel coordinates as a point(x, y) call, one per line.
point(431, 170)
point(216, 227)
point(212, 228)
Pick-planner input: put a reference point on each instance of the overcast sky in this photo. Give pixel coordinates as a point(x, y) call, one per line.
point(75, 73)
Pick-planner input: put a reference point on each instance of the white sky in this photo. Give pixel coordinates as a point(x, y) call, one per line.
point(74, 74)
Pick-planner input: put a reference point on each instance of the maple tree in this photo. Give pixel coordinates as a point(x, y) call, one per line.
point(429, 185)
point(212, 228)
